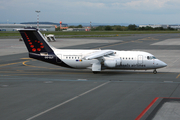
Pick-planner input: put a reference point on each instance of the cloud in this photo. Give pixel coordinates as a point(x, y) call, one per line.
point(86, 10)
point(141, 4)
point(92, 5)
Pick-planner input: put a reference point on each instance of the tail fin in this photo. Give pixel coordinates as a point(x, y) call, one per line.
point(39, 48)
point(35, 41)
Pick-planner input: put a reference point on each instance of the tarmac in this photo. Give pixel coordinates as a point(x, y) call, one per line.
point(34, 90)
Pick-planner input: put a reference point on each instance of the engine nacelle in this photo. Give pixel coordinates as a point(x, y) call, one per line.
point(111, 63)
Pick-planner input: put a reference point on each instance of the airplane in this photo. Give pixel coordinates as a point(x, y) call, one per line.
point(96, 60)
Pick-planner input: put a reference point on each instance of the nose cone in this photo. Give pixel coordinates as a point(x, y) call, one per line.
point(161, 64)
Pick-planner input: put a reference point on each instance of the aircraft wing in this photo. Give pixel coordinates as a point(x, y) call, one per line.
point(98, 54)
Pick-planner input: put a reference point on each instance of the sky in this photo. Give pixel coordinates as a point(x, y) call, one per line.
point(96, 11)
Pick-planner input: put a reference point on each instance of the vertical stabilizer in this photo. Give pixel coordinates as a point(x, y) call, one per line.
point(35, 41)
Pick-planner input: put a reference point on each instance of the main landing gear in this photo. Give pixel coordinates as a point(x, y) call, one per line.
point(95, 72)
point(155, 72)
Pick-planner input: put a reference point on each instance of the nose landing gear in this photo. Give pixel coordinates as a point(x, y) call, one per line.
point(155, 72)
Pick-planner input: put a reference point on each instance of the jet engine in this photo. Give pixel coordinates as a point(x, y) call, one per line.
point(111, 63)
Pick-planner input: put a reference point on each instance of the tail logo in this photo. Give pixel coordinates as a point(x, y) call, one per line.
point(32, 44)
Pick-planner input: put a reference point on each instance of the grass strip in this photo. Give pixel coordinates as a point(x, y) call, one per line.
point(80, 34)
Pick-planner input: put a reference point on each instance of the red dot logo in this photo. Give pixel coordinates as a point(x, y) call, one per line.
point(32, 46)
point(34, 50)
point(39, 49)
point(41, 46)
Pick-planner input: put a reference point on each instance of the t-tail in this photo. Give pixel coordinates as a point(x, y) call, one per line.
point(39, 48)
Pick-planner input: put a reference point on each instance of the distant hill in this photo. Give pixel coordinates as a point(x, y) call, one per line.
point(73, 24)
point(76, 24)
point(49, 23)
point(9, 23)
point(97, 24)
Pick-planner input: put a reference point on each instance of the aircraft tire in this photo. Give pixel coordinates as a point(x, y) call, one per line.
point(155, 72)
point(95, 72)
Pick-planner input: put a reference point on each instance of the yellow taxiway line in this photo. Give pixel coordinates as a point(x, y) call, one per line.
point(178, 76)
point(9, 64)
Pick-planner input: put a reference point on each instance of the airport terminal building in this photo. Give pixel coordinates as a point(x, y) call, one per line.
point(14, 27)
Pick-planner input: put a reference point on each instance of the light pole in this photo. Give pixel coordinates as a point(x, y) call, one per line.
point(37, 11)
point(90, 25)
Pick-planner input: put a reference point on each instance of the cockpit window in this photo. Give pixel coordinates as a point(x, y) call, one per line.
point(151, 57)
point(154, 57)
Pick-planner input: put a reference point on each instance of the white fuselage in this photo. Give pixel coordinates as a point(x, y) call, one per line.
point(96, 60)
point(119, 60)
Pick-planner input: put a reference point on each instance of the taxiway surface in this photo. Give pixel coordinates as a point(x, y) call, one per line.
point(35, 90)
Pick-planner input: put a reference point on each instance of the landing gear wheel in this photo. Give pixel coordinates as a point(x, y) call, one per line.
point(95, 72)
point(155, 72)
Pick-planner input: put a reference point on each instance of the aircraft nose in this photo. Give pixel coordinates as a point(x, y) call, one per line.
point(161, 64)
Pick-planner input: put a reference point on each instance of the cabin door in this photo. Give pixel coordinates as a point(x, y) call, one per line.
point(140, 59)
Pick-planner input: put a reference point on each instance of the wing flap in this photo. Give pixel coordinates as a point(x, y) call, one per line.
point(98, 54)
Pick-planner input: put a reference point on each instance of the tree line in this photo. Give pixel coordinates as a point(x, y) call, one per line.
point(130, 27)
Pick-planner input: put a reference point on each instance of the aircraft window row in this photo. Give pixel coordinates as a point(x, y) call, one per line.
point(126, 58)
point(151, 57)
point(72, 57)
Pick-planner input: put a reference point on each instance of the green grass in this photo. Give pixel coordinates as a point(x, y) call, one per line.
point(86, 34)
point(6, 34)
point(108, 32)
